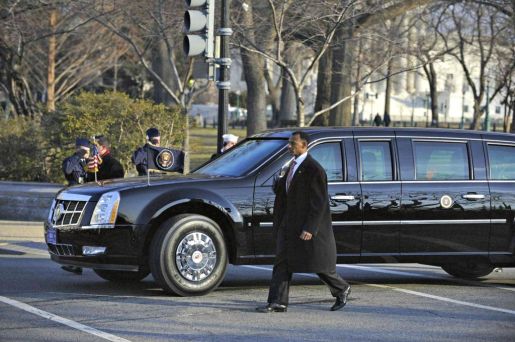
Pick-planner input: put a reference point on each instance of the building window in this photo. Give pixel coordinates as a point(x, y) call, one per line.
point(497, 109)
point(466, 108)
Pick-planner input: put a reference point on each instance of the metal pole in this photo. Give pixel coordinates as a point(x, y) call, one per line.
point(223, 82)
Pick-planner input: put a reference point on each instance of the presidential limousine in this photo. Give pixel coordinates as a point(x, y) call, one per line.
point(430, 196)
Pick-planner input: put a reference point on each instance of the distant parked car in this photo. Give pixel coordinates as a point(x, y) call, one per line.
point(438, 197)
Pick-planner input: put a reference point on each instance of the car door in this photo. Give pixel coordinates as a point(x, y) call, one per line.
point(344, 200)
point(445, 201)
point(381, 195)
point(501, 175)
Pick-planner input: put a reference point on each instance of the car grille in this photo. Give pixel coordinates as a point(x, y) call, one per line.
point(62, 249)
point(67, 213)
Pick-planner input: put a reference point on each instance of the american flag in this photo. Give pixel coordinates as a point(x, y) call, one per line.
point(95, 160)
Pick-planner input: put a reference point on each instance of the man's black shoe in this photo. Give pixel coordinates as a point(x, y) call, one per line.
point(273, 307)
point(73, 269)
point(341, 300)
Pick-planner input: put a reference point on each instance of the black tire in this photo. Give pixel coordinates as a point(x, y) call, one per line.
point(122, 276)
point(469, 269)
point(209, 255)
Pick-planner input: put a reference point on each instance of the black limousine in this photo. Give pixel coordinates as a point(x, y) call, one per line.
point(430, 196)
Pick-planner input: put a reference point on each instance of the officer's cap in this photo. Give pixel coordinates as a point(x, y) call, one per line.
point(230, 138)
point(82, 142)
point(152, 133)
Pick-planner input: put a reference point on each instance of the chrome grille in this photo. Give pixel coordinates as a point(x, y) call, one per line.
point(62, 249)
point(67, 212)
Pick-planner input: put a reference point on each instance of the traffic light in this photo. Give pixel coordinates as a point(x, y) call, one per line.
point(199, 24)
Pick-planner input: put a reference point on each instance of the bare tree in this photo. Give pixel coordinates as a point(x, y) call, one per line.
point(477, 31)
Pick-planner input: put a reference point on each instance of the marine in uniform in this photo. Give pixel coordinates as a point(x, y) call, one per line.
point(74, 167)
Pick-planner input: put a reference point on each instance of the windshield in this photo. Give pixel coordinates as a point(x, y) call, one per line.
point(243, 158)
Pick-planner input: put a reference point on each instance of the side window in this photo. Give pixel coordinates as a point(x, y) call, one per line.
point(376, 160)
point(502, 162)
point(329, 155)
point(441, 160)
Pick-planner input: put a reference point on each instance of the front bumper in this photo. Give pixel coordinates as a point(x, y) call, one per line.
point(123, 247)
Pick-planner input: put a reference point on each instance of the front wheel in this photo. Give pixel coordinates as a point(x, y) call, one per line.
point(469, 270)
point(122, 276)
point(188, 255)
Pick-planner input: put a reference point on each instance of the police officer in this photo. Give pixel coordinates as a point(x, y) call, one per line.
point(108, 166)
point(74, 167)
point(229, 140)
point(140, 156)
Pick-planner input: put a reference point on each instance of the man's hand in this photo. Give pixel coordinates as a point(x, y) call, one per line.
point(305, 235)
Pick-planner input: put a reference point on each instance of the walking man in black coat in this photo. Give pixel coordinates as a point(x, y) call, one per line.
point(302, 226)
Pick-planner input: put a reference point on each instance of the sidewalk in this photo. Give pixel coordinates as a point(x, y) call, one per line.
point(15, 230)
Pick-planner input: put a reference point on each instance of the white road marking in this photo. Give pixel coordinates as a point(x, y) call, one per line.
point(418, 275)
point(62, 320)
point(416, 293)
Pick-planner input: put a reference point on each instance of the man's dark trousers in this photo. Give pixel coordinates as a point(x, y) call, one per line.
point(281, 277)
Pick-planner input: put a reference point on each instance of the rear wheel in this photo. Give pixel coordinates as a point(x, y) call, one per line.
point(188, 255)
point(469, 269)
point(122, 276)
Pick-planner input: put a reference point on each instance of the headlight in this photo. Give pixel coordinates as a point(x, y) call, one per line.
point(106, 210)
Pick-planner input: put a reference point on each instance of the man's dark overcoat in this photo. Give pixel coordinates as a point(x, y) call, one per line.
point(306, 207)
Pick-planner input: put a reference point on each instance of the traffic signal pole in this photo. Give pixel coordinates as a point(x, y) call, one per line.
point(223, 82)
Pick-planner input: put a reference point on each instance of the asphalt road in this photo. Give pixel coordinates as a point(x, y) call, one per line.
point(409, 302)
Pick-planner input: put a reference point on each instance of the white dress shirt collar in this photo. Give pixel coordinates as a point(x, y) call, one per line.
point(299, 161)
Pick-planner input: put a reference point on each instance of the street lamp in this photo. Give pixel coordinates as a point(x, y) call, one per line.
point(464, 89)
point(367, 97)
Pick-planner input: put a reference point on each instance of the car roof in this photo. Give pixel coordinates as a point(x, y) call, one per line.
point(284, 133)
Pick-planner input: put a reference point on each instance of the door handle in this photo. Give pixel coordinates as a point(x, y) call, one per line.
point(343, 198)
point(473, 196)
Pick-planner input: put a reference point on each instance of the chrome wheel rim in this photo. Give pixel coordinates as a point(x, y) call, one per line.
point(195, 256)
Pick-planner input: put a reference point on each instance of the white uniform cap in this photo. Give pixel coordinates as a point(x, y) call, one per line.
point(230, 138)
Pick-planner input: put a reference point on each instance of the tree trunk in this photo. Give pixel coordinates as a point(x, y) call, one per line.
point(512, 109)
point(253, 66)
point(388, 90)
point(342, 77)
point(52, 51)
point(476, 119)
point(434, 97)
point(323, 98)
point(186, 143)
point(162, 68)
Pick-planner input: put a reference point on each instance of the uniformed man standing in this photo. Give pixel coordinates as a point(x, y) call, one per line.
point(140, 156)
point(74, 167)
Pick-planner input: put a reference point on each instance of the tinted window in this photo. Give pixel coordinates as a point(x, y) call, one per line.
point(376, 160)
point(243, 158)
point(441, 161)
point(502, 162)
point(329, 155)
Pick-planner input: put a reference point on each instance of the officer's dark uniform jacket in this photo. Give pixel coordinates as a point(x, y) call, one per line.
point(110, 168)
point(139, 158)
point(73, 168)
point(144, 159)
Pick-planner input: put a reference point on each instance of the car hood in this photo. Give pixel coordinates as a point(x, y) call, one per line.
point(96, 189)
